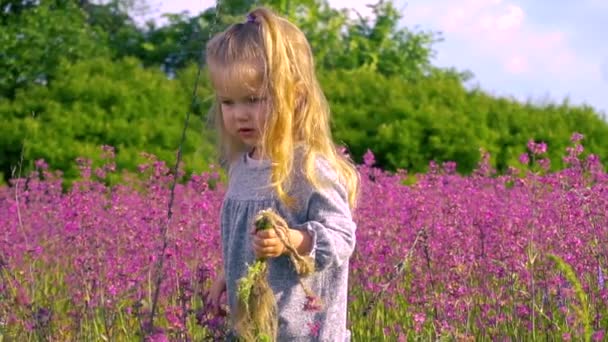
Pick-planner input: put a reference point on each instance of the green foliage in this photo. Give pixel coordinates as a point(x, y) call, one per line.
point(378, 44)
point(582, 309)
point(177, 44)
point(124, 37)
point(11, 8)
point(33, 39)
point(100, 102)
point(409, 123)
point(255, 273)
point(340, 41)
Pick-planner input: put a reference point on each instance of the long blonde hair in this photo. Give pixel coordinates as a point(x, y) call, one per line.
point(270, 51)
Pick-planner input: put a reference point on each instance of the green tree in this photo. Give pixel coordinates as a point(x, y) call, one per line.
point(101, 102)
point(9, 8)
point(408, 124)
point(35, 38)
point(124, 38)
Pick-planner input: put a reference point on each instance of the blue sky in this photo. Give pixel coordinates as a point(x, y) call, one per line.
point(537, 50)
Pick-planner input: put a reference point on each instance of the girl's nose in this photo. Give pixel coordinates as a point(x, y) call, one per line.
point(242, 113)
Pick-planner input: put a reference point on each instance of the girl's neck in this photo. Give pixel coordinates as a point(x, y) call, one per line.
point(254, 154)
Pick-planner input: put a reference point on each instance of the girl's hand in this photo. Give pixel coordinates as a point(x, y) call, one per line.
point(266, 244)
point(215, 294)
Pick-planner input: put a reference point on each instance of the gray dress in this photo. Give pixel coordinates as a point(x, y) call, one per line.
point(324, 214)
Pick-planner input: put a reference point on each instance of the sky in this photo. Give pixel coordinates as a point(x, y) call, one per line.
point(538, 50)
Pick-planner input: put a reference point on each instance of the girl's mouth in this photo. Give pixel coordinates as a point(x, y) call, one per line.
point(246, 132)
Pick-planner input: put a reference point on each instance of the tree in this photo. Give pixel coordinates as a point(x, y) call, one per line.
point(103, 102)
point(35, 38)
point(113, 18)
point(11, 8)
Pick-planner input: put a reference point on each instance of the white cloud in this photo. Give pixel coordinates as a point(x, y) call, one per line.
point(500, 30)
point(517, 65)
point(511, 19)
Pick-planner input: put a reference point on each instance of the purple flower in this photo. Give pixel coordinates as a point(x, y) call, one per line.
point(313, 303)
point(475, 243)
point(537, 148)
point(545, 163)
point(158, 336)
point(523, 311)
point(598, 335)
point(41, 164)
point(315, 328)
point(449, 167)
point(43, 317)
point(108, 149)
point(593, 159)
point(576, 137)
point(343, 151)
point(419, 319)
point(173, 317)
point(369, 159)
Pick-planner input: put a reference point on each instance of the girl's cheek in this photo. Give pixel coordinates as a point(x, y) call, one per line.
point(226, 120)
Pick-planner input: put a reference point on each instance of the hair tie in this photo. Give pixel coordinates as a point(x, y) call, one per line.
point(251, 18)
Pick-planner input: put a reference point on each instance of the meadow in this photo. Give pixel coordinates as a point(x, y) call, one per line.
point(519, 255)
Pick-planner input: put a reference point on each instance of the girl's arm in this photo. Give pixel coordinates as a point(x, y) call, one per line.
point(328, 234)
point(218, 287)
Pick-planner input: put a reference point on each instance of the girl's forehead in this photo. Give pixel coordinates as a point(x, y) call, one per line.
point(237, 80)
point(237, 89)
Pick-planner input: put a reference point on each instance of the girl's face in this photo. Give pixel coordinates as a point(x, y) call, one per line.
point(244, 114)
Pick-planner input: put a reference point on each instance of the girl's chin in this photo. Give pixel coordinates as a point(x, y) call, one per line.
point(250, 143)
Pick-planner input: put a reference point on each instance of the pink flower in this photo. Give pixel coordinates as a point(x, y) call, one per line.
point(598, 335)
point(173, 318)
point(419, 319)
point(314, 327)
point(576, 137)
point(41, 164)
point(368, 158)
point(312, 304)
point(159, 336)
point(537, 148)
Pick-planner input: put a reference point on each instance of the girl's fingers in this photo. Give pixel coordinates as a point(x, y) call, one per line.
point(267, 251)
point(266, 242)
point(266, 234)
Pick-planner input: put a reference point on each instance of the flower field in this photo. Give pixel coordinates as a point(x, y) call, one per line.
point(440, 256)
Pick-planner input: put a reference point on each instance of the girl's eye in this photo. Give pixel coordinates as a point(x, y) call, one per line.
point(256, 99)
point(227, 102)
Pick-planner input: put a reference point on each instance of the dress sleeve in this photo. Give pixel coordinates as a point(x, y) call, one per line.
point(329, 223)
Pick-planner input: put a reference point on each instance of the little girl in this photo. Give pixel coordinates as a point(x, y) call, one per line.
point(273, 124)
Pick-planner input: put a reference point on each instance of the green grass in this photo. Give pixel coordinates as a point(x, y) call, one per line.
point(391, 318)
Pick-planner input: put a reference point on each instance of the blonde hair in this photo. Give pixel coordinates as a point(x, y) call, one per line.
point(269, 51)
